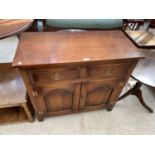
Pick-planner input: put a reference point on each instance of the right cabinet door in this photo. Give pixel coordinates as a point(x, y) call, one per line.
point(96, 94)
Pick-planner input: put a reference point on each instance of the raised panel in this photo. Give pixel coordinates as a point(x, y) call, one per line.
point(96, 94)
point(59, 99)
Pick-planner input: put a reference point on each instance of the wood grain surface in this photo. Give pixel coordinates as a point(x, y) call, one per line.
point(69, 72)
point(10, 27)
point(70, 47)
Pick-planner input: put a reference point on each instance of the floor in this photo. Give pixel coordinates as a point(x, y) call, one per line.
point(7, 54)
point(127, 117)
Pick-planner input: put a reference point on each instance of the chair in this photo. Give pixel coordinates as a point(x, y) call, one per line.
point(133, 24)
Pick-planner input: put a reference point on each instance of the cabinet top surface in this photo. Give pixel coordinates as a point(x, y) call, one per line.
point(43, 48)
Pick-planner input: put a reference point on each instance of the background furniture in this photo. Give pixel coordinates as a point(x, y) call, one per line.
point(85, 24)
point(152, 24)
point(138, 24)
point(148, 23)
point(14, 103)
point(145, 70)
point(75, 71)
point(133, 24)
point(9, 27)
point(142, 39)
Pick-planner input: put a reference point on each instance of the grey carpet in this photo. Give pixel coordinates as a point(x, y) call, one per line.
point(127, 117)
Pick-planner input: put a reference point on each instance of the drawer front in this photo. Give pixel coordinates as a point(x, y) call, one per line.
point(105, 71)
point(51, 75)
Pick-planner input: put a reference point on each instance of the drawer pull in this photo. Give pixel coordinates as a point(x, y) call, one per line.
point(40, 112)
point(121, 84)
point(108, 72)
point(56, 76)
point(34, 93)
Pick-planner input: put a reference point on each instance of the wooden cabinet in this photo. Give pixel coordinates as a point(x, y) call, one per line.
point(67, 72)
point(55, 91)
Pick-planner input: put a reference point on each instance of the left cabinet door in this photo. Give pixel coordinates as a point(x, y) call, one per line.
point(60, 99)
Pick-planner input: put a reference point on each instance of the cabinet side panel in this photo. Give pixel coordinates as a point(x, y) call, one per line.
point(115, 95)
point(38, 107)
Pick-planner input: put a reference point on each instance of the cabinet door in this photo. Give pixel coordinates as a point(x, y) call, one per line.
point(96, 94)
point(60, 99)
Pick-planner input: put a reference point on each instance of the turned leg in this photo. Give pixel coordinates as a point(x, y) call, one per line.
point(110, 107)
point(40, 115)
point(137, 92)
point(126, 94)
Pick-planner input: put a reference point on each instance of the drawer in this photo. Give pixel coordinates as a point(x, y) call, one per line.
point(51, 75)
point(105, 71)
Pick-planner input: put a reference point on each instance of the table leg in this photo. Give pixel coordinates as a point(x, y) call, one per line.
point(137, 92)
point(27, 111)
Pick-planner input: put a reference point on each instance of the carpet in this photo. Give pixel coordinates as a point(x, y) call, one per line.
point(127, 117)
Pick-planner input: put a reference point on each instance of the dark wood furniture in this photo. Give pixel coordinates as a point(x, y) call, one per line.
point(133, 24)
point(15, 105)
point(68, 72)
point(14, 102)
point(144, 72)
point(9, 27)
point(152, 23)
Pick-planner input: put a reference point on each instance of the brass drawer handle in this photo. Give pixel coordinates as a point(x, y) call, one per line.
point(34, 93)
point(108, 72)
point(121, 84)
point(56, 76)
point(40, 112)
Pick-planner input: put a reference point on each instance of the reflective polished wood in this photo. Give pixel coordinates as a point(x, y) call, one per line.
point(46, 48)
point(10, 27)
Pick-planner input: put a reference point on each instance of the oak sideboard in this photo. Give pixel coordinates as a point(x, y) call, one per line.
point(69, 72)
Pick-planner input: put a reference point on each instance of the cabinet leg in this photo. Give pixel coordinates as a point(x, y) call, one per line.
point(40, 118)
point(110, 107)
